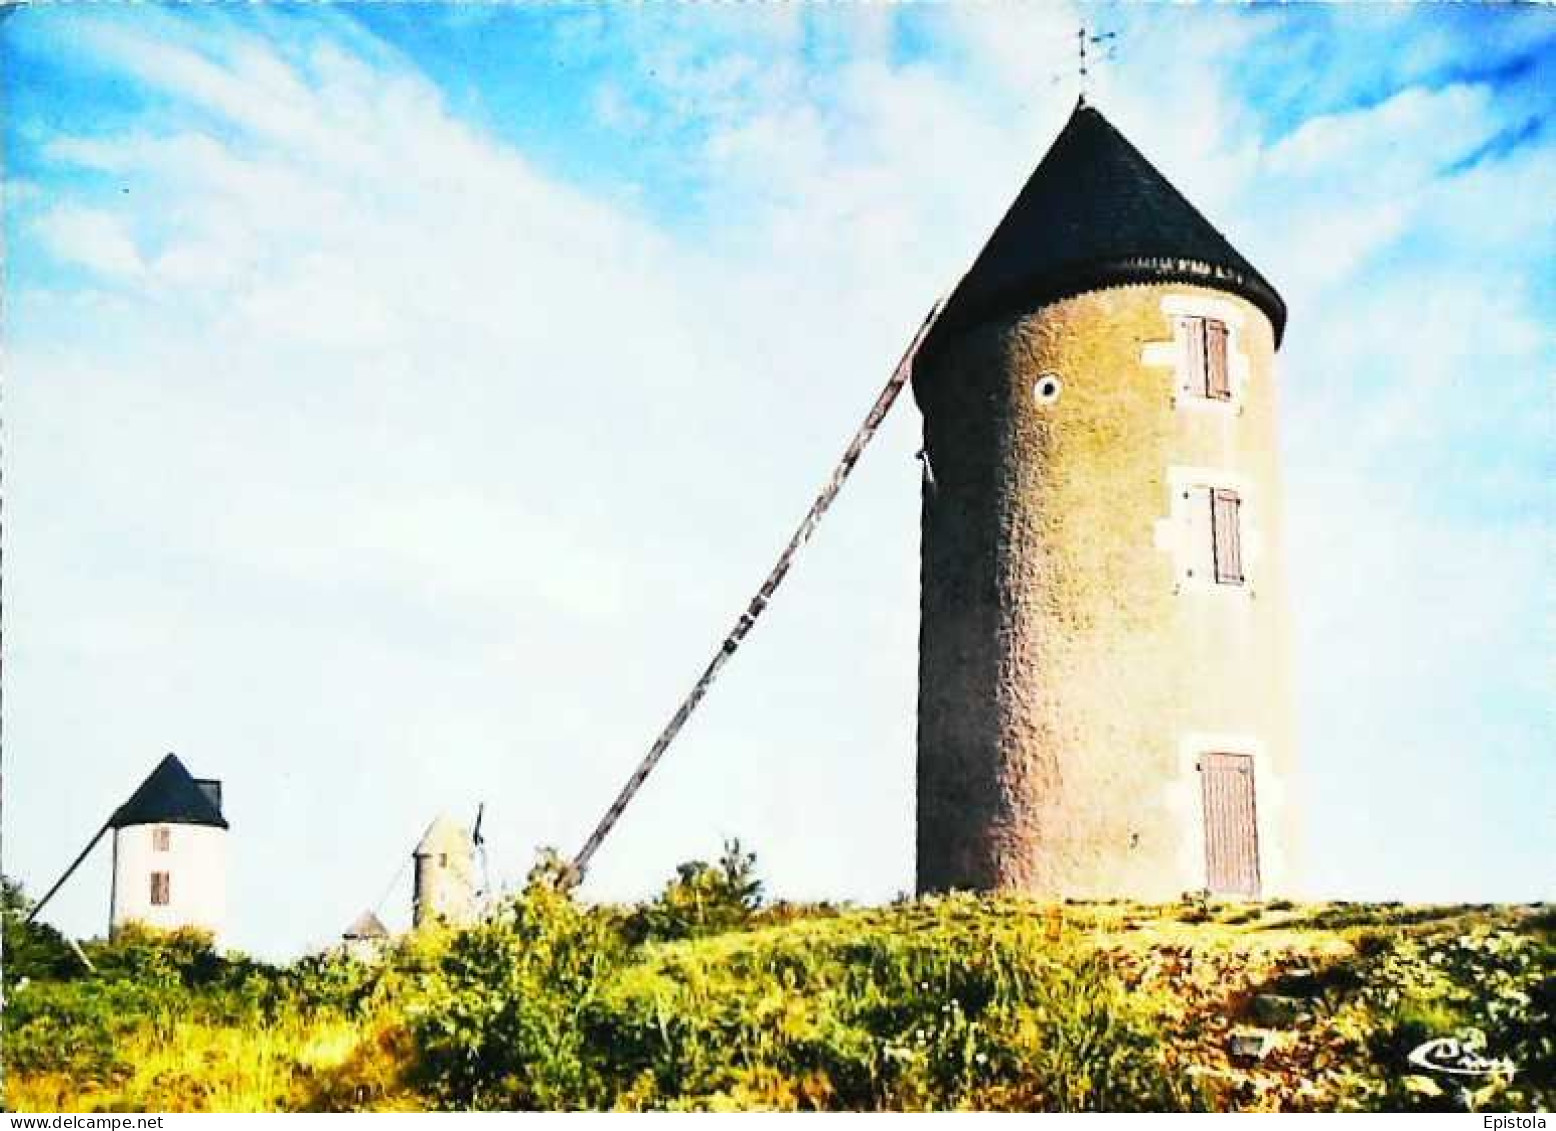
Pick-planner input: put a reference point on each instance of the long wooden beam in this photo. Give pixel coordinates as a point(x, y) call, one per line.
point(731, 642)
point(76, 863)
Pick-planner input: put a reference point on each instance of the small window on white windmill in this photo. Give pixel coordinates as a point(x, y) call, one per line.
point(160, 889)
point(1207, 372)
point(1226, 536)
point(161, 839)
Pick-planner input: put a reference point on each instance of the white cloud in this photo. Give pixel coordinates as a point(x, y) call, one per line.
point(99, 241)
point(1394, 144)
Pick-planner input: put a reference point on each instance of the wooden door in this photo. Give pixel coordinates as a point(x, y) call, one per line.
point(1231, 825)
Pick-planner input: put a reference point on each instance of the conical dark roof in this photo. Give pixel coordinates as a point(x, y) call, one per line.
point(171, 796)
point(1096, 213)
point(366, 926)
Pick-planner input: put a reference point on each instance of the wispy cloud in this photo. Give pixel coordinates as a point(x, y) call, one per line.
point(99, 241)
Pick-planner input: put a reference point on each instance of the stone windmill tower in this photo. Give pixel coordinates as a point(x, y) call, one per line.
point(366, 938)
point(445, 881)
point(1103, 689)
point(170, 853)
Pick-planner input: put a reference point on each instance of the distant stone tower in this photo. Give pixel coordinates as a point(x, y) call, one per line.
point(445, 875)
point(366, 938)
point(170, 853)
point(1103, 688)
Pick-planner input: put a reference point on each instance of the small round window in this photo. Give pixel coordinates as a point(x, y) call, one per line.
point(1047, 387)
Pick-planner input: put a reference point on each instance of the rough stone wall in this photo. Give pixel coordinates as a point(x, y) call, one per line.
point(1069, 672)
point(445, 888)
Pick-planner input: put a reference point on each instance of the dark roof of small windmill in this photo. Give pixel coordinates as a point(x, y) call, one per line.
point(1095, 213)
point(169, 796)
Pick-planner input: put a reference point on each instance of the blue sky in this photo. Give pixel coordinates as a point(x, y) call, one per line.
point(401, 400)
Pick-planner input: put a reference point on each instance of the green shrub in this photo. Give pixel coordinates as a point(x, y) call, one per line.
point(30, 950)
point(1491, 989)
point(73, 1028)
point(703, 899)
point(497, 1024)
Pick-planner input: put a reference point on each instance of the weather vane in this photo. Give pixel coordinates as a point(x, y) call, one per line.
point(1082, 39)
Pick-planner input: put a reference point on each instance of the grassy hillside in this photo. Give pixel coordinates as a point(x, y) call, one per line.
point(702, 1000)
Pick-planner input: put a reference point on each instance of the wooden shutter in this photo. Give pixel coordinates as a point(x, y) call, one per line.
point(1194, 335)
point(161, 839)
point(1226, 536)
point(1231, 825)
point(1218, 383)
point(160, 889)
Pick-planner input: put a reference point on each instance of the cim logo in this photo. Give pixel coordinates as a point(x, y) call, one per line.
point(1459, 1058)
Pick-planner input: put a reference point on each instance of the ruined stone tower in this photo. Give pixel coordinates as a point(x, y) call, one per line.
point(445, 881)
point(1103, 688)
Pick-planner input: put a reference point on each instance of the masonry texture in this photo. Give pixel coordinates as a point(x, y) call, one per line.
point(1072, 664)
point(444, 884)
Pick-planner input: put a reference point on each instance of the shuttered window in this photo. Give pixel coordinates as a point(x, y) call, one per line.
point(159, 889)
point(1218, 385)
point(1194, 338)
point(1207, 370)
point(1226, 536)
point(161, 839)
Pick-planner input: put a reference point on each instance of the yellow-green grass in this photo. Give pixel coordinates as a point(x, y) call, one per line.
point(961, 1002)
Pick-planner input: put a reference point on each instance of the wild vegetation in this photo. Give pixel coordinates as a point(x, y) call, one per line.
point(707, 998)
